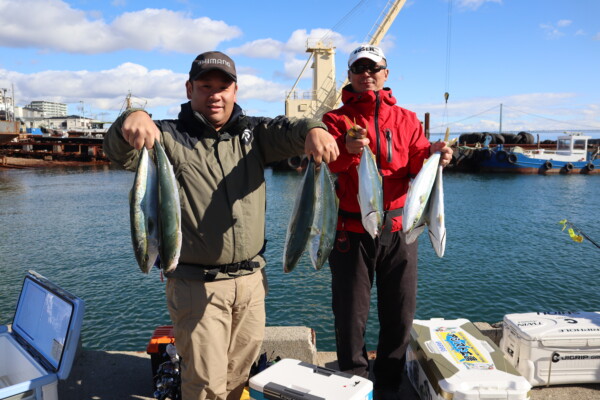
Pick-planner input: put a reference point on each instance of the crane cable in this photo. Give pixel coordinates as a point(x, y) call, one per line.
point(343, 20)
point(448, 53)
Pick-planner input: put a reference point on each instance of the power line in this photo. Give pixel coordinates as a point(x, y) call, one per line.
point(469, 117)
point(549, 119)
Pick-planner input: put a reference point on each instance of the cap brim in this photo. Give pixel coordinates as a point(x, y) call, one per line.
point(199, 74)
point(369, 56)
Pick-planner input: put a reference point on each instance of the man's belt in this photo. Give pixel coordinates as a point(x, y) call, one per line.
point(388, 215)
point(213, 270)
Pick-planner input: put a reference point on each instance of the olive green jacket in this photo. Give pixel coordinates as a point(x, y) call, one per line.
point(221, 181)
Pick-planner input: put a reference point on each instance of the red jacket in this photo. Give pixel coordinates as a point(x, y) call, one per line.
point(397, 140)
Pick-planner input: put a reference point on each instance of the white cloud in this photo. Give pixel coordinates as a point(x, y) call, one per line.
point(106, 89)
point(55, 26)
point(531, 111)
point(596, 36)
point(256, 88)
point(563, 23)
point(551, 31)
point(474, 4)
point(101, 89)
point(261, 48)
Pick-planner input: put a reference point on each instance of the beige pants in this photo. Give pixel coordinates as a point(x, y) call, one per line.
point(219, 328)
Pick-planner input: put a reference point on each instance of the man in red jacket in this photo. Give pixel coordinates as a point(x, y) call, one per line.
point(395, 136)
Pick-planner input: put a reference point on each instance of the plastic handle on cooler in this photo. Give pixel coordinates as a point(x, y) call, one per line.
point(432, 347)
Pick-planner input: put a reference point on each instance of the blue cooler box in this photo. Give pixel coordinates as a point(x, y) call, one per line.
point(294, 380)
point(41, 346)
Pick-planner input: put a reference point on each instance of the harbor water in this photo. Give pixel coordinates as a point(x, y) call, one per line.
point(505, 252)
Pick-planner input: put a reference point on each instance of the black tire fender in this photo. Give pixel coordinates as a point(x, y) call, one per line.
point(568, 166)
point(548, 165)
point(512, 158)
point(501, 155)
point(590, 166)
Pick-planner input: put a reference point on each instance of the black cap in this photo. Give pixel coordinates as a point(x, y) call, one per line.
point(211, 61)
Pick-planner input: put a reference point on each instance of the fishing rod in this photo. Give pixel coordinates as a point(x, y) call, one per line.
point(577, 237)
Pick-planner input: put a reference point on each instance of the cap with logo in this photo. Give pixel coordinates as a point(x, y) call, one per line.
point(373, 53)
point(212, 61)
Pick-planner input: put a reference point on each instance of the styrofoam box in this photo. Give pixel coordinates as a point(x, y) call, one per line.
point(550, 348)
point(40, 348)
point(452, 359)
point(293, 379)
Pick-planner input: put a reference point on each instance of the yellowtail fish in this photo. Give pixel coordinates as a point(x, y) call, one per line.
point(169, 212)
point(414, 216)
point(436, 225)
point(324, 224)
point(301, 220)
point(370, 193)
point(143, 209)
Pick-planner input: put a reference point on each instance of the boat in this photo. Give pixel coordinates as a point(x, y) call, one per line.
point(570, 156)
point(9, 130)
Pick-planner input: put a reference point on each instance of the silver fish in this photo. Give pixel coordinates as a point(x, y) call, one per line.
point(299, 227)
point(143, 209)
point(435, 216)
point(169, 212)
point(413, 214)
point(323, 229)
point(370, 193)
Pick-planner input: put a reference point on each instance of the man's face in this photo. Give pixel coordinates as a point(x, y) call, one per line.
point(213, 95)
point(364, 75)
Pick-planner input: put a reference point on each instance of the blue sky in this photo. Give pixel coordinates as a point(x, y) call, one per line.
point(540, 59)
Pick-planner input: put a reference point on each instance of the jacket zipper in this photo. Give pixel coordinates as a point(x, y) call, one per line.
point(388, 136)
point(378, 155)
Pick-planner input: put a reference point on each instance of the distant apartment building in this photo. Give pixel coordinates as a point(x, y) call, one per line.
point(49, 109)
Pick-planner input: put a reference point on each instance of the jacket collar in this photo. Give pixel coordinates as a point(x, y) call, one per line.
point(193, 118)
point(364, 99)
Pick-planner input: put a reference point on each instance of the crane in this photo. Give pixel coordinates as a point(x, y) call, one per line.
point(388, 15)
point(325, 95)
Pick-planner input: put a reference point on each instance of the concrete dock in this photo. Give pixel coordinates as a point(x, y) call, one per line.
point(107, 375)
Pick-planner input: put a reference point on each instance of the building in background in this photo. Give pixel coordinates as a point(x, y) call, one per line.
point(49, 109)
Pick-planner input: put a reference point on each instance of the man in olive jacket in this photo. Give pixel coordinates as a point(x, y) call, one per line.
point(216, 294)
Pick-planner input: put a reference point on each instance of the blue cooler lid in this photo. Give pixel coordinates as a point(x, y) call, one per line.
point(48, 323)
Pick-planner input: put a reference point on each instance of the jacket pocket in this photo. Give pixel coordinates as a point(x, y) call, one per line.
point(388, 138)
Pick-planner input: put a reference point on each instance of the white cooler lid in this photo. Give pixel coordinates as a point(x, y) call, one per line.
point(47, 323)
point(578, 328)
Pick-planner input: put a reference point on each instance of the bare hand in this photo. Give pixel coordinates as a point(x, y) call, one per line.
point(446, 152)
point(139, 130)
point(357, 141)
point(321, 146)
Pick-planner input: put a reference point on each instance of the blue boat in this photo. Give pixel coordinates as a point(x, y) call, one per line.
point(570, 156)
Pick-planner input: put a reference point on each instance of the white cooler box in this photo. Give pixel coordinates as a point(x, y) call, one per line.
point(452, 359)
point(291, 379)
point(42, 343)
point(551, 348)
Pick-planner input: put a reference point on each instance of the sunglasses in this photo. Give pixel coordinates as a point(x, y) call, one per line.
point(359, 69)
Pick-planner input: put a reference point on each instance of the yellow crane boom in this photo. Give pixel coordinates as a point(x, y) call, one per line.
point(385, 20)
point(324, 95)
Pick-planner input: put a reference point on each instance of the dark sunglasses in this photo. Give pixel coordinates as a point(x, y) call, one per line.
point(359, 69)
